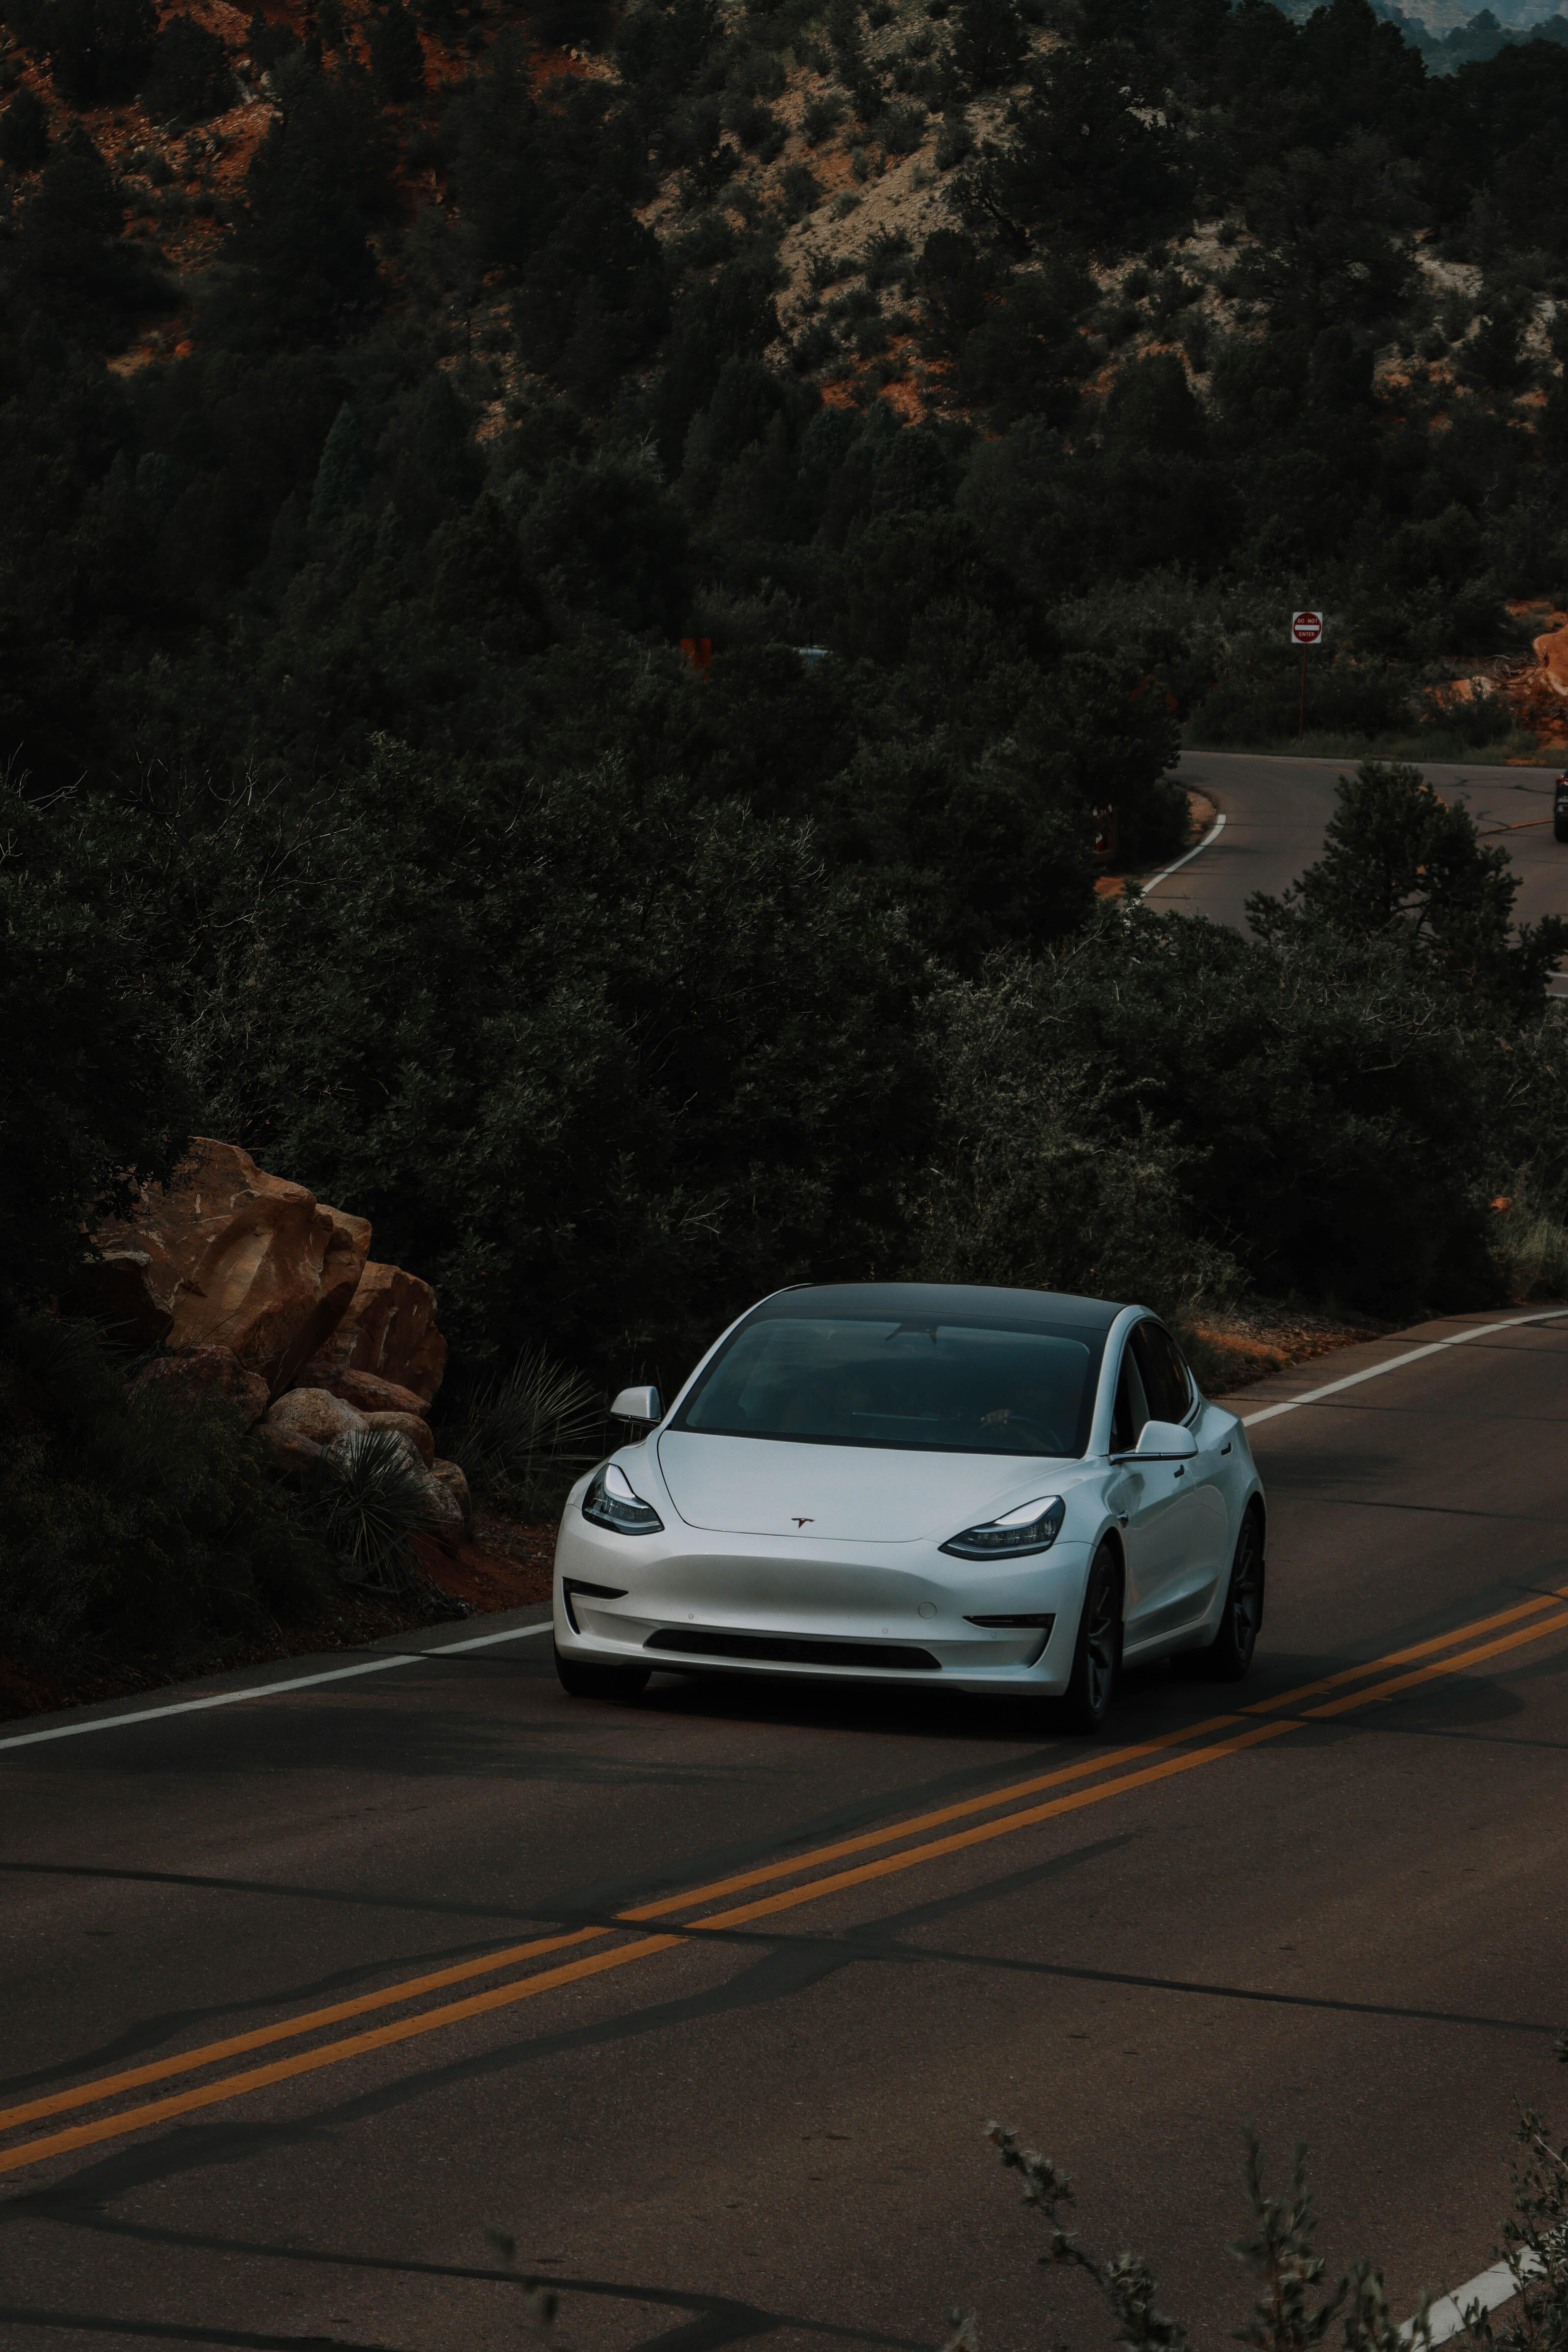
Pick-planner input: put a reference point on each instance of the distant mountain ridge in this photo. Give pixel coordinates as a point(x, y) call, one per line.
point(1451, 33)
point(1451, 16)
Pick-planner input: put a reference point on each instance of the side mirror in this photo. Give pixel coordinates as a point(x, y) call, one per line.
point(1166, 1441)
point(637, 1404)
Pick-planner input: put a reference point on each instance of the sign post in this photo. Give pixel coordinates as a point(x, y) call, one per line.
point(1306, 629)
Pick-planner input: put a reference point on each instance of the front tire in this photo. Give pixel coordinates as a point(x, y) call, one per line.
point(1229, 1657)
point(1096, 1654)
point(579, 1679)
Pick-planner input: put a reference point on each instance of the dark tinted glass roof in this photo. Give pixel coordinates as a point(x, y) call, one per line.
point(957, 1302)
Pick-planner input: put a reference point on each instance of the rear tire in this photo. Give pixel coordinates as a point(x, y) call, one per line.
point(1096, 1654)
point(1229, 1657)
point(578, 1679)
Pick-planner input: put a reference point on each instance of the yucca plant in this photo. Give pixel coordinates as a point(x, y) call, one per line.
point(524, 1437)
point(373, 1497)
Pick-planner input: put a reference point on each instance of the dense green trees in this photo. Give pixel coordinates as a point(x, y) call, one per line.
point(24, 131)
point(406, 846)
point(192, 77)
point(91, 1093)
point(301, 267)
point(99, 50)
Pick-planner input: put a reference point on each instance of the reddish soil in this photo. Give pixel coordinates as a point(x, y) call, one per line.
point(503, 1564)
point(1231, 1352)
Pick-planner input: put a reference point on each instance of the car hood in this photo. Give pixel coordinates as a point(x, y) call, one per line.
point(840, 1494)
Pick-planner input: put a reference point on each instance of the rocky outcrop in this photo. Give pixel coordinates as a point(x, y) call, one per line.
point(411, 1427)
point(363, 1391)
point(389, 1331)
point(447, 1499)
point(450, 1479)
point(309, 1428)
point(227, 1255)
point(211, 1371)
point(314, 1416)
point(294, 1456)
point(1553, 651)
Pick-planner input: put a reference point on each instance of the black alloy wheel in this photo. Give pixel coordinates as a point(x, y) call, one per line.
point(1096, 1656)
point(581, 1680)
point(1228, 1656)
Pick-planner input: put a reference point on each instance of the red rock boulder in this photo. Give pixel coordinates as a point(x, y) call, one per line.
point(389, 1330)
point(363, 1391)
point(413, 1426)
point(314, 1416)
point(229, 1257)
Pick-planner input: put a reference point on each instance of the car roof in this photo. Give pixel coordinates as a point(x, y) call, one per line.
point(950, 1302)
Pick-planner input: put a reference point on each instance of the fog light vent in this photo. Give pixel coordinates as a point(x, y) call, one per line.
point(572, 1584)
point(1040, 1623)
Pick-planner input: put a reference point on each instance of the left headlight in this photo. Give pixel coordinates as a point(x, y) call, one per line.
point(1033, 1526)
point(613, 1502)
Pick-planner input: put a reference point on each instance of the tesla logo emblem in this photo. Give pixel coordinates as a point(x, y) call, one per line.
point(806, 1522)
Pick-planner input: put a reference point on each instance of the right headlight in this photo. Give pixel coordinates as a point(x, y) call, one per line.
point(613, 1502)
point(1033, 1526)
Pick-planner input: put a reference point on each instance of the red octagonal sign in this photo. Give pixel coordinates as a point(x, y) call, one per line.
point(1306, 628)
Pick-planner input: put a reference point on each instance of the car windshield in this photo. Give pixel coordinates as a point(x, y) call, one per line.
point(935, 1387)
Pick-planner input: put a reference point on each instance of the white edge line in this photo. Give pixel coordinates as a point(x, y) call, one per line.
point(271, 1690)
point(1489, 2288)
point(1396, 1363)
point(1215, 829)
point(1493, 2287)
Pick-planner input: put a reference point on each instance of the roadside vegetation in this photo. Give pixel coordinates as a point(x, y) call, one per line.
point(1293, 2308)
point(429, 439)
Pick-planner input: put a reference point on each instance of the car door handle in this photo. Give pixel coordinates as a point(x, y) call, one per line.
point(1226, 1447)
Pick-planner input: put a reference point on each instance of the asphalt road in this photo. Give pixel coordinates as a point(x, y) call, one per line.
point(1276, 810)
point(1339, 1912)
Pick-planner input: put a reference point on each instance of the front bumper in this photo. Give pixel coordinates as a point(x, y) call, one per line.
point(691, 1601)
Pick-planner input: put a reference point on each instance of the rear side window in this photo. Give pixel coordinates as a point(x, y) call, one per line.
point(1165, 1381)
point(1131, 1407)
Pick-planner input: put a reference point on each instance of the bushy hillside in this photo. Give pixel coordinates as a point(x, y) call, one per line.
point(355, 363)
point(386, 397)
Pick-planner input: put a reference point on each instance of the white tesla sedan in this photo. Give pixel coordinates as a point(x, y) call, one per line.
point(919, 1483)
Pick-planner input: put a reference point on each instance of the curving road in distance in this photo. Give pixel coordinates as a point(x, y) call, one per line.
point(1276, 810)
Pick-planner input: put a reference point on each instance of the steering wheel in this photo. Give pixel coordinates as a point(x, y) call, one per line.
point(1011, 1421)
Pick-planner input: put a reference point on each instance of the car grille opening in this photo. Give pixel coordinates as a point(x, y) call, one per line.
point(786, 1649)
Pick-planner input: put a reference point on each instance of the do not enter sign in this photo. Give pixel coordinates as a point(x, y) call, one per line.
point(1306, 628)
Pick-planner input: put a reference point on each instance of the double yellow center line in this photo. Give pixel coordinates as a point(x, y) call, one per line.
point(1182, 1750)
